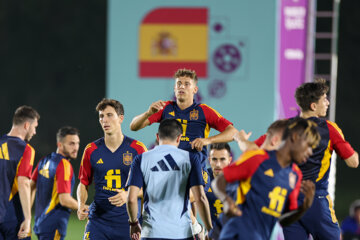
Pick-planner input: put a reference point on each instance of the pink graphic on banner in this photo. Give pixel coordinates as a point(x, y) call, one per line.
point(293, 37)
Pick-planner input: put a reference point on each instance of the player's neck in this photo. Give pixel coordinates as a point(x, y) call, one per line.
point(168, 142)
point(113, 141)
point(308, 114)
point(283, 156)
point(16, 132)
point(185, 104)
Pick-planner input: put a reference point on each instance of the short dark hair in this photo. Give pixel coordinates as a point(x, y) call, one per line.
point(169, 129)
point(186, 73)
point(310, 92)
point(119, 108)
point(25, 113)
point(64, 131)
point(277, 126)
point(220, 146)
point(303, 127)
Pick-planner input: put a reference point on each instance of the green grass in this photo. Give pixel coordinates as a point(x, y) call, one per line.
point(75, 230)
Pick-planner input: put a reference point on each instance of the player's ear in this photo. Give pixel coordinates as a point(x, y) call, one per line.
point(178, 138)
point(58, 144)
point(157, 138)
point(26, 125)
point(313, 106)
point(196, 89)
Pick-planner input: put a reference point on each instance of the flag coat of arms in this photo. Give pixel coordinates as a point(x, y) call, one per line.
point(173, 38)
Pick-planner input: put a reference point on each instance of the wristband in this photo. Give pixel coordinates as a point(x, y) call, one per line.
point(133, 223)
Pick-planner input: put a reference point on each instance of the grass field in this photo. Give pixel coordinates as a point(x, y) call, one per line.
point(75, 228)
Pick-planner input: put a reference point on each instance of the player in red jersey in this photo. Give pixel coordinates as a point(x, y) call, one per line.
point(196, 119)
point(53, 181)
point(16, 161)
point(107, 162)
point(320, 221)
point(269, 185)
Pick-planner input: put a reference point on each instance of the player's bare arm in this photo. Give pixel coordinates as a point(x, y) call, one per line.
point(120, 198)
point(202, 204)
point(66, 200)
point(219, 188)
point(82, 196)
point(25, 199)
point(353, 160)
point(132, 209)
point(32, 191)
point(141, 120)
point(242, 139)
point(225, 136)
point(308, 189)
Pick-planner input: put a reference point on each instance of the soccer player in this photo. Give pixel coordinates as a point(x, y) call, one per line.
point(196, 119)
point(107, 161)
point(219, 157)
point(166, 173)
point(269, 185)
point(320, 220)
point(53, 181)
point(16, 161)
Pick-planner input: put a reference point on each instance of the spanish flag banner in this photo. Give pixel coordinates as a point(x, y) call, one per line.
point(173, 38)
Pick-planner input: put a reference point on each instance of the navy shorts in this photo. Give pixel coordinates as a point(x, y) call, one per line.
point(319, 221)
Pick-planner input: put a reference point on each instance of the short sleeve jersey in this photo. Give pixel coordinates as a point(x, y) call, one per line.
point(166, 174)
point(266, 190)
point(53, 175)
point(196, 121)
point(109, 171)
point(16, 159)
point(317, 167)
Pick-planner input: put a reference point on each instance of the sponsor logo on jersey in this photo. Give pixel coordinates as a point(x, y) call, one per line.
point(172, 113)
point(100, 161)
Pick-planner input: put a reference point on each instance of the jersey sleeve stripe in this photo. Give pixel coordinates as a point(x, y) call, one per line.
point(216, 112)
point(334, 125)
point(67, 171)
point(32, 154)
point(249, 154)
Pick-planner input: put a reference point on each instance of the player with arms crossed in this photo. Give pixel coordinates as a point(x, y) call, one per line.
point(166, 173)
point(320, 220)
point(53, 182)
point(16, 161)
point(269, 185)
point(107, 161)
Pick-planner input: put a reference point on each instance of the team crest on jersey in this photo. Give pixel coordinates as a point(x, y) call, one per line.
point(292, 180)
point(194, 115)
point(127, 158)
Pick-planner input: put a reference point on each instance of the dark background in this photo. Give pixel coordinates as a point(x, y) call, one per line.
point(53, 57)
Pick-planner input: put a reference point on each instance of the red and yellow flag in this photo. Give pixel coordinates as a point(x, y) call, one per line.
point(173, 38)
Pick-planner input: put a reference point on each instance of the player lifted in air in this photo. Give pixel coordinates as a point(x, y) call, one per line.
point(53, 181)
point(269, 185)
point(16, 161)
point(107, 161)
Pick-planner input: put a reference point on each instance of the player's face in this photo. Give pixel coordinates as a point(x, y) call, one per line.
point(218, 160)
point(70, 146)
point(31, 130)
point(110, 121)
point(301, 150)
point(322, 106)
point(185, 89)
